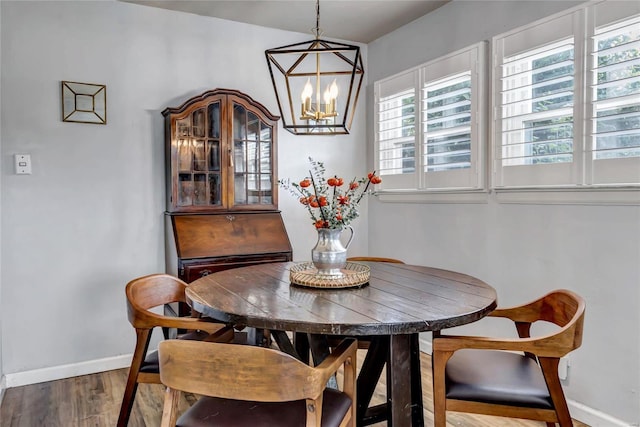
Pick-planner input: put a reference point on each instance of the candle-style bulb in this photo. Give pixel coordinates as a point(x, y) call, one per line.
point(327, 100)
point(307, 91)
point(334, 89)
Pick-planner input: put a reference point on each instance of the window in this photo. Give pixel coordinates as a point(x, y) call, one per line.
point(537, 106)
point(397, 130)
point(447, 120)
point(567, 100)
point(428, 124)
point(615, 102)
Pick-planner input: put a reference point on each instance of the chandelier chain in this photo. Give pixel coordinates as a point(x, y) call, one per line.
point(317, 19)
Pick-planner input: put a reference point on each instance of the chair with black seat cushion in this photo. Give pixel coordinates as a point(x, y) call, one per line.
point(255, 386)
point(143, 295)
point(515, 378)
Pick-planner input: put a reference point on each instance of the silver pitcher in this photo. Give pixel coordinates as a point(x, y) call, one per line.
point(329, 256)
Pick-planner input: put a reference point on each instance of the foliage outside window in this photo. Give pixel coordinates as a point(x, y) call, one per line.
point(617, 88)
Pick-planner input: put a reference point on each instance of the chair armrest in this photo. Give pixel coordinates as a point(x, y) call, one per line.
point(191, 323)
point(330, 365)
point(458, 342)
point(552, 345)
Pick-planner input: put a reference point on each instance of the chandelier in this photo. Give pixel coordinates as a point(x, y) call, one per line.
point(317, 84)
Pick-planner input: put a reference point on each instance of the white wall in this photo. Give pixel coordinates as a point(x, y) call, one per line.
point(524, 250)
point(90, 217)
point(2, 380)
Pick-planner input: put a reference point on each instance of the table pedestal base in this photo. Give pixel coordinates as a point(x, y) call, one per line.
point(404, 388)
point(401, 353)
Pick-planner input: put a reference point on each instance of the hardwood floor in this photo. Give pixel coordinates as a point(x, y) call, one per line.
point(94, 400)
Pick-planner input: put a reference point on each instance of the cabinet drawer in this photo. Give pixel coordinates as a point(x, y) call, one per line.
point(192, 271)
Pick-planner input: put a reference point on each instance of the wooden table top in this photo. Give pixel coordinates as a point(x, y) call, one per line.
point(399, 299)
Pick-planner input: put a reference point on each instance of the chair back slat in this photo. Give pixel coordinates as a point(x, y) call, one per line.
point(565, 309)
point(241, 372)
point(148, 292)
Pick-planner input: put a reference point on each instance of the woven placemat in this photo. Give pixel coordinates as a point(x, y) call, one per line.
point(353, 275)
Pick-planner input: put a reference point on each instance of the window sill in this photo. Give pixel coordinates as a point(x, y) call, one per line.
point(623, 196)
point(433, 196)
point(570, 196)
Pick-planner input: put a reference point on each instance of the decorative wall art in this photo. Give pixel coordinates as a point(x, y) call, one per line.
point(84, 103)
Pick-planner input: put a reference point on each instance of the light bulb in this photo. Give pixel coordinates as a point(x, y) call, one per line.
point(334, 89)
point(307, 91)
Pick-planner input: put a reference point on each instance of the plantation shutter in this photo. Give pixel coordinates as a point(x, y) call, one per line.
point(429, 123)
point(447, 123)
point(615, 112)
point(536, 81)
point(452, 117)
point(396, 131)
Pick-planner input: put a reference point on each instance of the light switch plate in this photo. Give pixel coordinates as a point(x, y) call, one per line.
point(23, 164)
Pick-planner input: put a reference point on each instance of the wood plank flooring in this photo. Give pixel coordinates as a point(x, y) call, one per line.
point(94, 401)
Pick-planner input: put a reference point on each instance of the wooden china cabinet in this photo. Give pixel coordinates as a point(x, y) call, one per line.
point(222, 199)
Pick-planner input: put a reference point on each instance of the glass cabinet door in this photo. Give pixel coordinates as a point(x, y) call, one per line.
point(221, 150)
point(213, 155)
point(199, 161)
point(252, 158)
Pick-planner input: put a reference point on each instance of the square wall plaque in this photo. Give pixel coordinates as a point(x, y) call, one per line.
point(84, 103)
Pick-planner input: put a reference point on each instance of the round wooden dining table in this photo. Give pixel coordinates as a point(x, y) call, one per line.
point(390, 311)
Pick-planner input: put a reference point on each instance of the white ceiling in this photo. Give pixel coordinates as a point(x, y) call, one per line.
point(353, 20)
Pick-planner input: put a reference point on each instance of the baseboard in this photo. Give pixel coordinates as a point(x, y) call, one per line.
point(66, 371)
point(580, 412)
point(593, 417)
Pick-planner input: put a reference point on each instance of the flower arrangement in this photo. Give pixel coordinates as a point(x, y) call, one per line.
point(331, 203)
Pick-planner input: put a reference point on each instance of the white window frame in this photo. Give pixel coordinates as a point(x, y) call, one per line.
point(454, 181)
point(584, 172)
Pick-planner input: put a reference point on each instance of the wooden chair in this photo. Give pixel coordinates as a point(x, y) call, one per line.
point(143, 294)
point(255, 386)
point(484, 376)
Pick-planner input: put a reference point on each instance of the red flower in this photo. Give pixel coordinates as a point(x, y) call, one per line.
point(321, 224)
point(335, 182)
point(332, 202)
point(375, 179)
